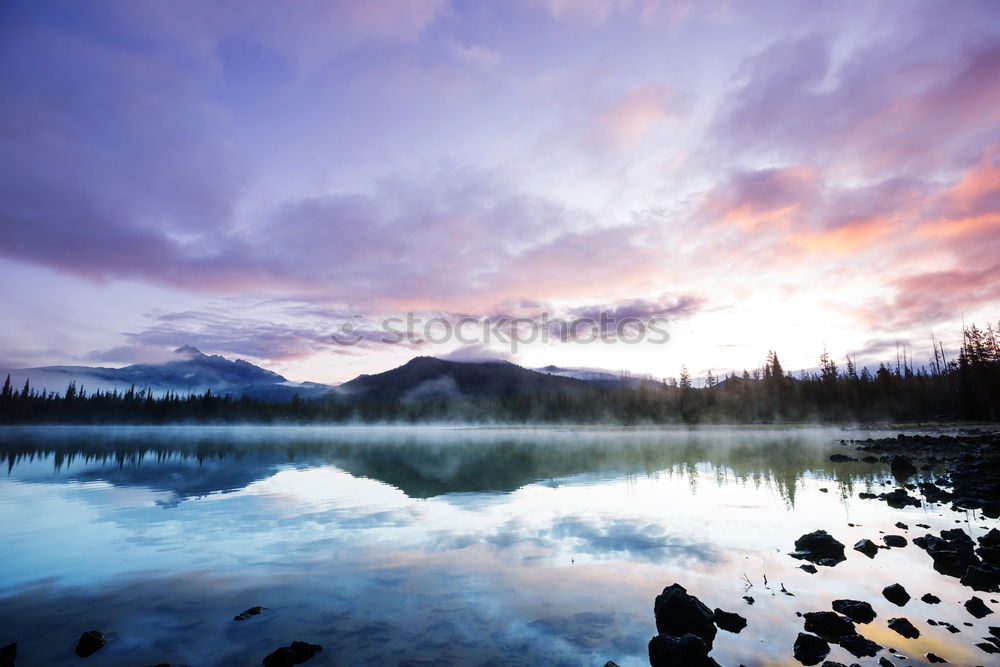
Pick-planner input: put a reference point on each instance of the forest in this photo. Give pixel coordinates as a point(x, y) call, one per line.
point(964, 388)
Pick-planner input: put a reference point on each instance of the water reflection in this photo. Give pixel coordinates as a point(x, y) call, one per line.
point(438, 546)
point(423, 463)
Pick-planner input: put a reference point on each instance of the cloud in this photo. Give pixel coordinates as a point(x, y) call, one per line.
point(751, 199)
point(132, 354)
point(625, 120)
point(476, 54)
point(598, 11)
point(218, 333)
point(883, 109)
point(476, 354)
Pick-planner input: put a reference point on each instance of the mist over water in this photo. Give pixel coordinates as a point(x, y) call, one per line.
point(440, 545)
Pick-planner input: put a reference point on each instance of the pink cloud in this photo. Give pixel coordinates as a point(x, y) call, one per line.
point(628, 118)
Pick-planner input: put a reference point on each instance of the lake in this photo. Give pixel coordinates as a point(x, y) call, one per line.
point(433, 546)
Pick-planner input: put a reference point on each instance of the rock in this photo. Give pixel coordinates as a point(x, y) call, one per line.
point(811, 569)
point(989, 547)
point(902, 526)
point(930, 599)
point(994, 630)
point(8, 654)
point(678, 613)
point(748, 599)
point(831, 663)
point(611, 663)
point(982, 578)
point(934, 493)
point(858, 646)
point(249, 613)
point(841, 458)
point(953, 553)
point(90, 642)
point(902, 468)
point(823, 489)
point(864, 495)
point(686, 649)
point(977, 607)
point(295, 654)
point(819, 547)
point(884, 662)
point(895, 541)
point(987, 647)
point(729, 621)
point(828, 624)
point(810, 649)
point(856, 610)
point(904, 627)
point(934, 658)
point(867, 547)
point(899, 498)
point(990, 539)
point(896, 594)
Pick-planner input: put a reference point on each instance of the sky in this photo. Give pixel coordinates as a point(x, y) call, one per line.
point(248, 176)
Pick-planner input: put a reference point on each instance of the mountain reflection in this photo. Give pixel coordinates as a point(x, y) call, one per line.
point(423, 463)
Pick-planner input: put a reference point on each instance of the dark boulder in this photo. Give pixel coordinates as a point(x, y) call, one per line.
point(810, 649)
point(828, 624)
point(811, 569)
point(953, 553)
point(90, 642)
point(930, 598)
point(841, 458)
point(675, 650)
point(729, 621)
point(679, 613)
point(895, 541)
point(982, 578)
point(934, 493)
point(977, 607)
point(856, 610)
point(899, 498)
point(8, 654)
point(935, 658)
point(867, 547)
point(248, 613)
point(896, 594)
point(819, 547)
point(904, 627)
point(295, 654)
point(858, 646)
point(987, 647)
point(902, 468)
point(989, 547)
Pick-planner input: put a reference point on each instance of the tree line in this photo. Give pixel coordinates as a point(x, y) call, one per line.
point(966, 387)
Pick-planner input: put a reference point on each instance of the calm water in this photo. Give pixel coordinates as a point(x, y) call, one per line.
point(442, 546)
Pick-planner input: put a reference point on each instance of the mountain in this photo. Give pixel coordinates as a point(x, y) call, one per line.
point(191, 371)
point(430, 377)
point(605, 379)
point(601, 378)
